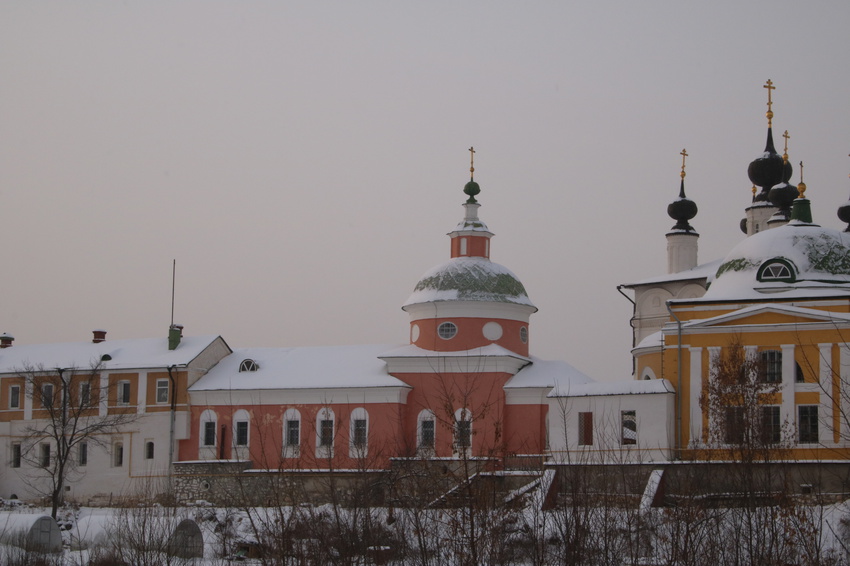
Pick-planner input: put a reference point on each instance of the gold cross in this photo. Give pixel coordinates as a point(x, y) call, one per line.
point(787, 136)
point(769, 86)
point(471, 161)
point(684, 154)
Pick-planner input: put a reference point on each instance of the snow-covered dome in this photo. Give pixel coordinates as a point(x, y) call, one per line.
point(469, 279)
point(798, 257)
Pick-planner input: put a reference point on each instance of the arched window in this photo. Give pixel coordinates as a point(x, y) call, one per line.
point(291, 433)
point(463, 432)
point(358, 442)
point(149, 450)
point(241, 432)
point(248, 365)
point(325, 430)
point(207, 428)
point(777, 269)
point(426, 432)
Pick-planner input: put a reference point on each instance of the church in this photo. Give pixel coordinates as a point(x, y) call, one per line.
point(465, 386)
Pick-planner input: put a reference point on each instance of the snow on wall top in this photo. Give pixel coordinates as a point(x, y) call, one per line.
point(411, 351)
point(819, 256)
point(702, 271)
point(642, 387)
point(547, 373)
point(301, 368)
point(469, 279)
point(125, 354)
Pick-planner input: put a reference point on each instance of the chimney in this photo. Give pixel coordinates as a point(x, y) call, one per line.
point(98, 336)
point(175, 334)
point(6, 340)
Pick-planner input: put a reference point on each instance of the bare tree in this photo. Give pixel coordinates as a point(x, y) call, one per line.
point(70, 415)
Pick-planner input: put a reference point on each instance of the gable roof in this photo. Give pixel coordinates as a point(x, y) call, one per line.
point(125, 354)
point(301, 368)
point(755, 314)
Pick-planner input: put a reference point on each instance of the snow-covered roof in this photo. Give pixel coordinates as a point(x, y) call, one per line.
point(634, 387)
point(469, 279)
point(653, 340)
point(547, 373)
point(125, 354)
point(702, 271)
point(301, 368)
point(818, 257)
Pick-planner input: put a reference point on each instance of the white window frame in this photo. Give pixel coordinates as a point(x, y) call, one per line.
point(44, 455)
point(291, 450)
point(84, 400)
point(83, 454)
point(150, 449)
point(207, 451)
point(355, 450)
point(17, 455)
point(118, 454)
point(325, 450)
point(120, 387)
point(162, 385)
point(44, 388)
point(241, 416)
point(15, 398)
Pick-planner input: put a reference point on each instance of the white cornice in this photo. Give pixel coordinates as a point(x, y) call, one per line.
point(321, 396)
point(469, 309)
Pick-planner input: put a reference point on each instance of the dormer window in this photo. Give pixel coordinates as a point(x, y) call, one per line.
point(248, 365)
point(777, 270)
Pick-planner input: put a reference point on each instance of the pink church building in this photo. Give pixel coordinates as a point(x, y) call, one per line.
point(464, 386)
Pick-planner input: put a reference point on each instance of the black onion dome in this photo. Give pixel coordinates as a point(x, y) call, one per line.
point(783, 195)
point(743, 225)
point(844, 214)
point(471, 189)
point(682, 209)
point(769, 169)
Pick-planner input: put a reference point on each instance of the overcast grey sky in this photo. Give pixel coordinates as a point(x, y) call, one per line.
point(304, 161)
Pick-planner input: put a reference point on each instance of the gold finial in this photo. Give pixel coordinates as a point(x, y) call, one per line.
point(769, 86)
point(684, 154)
point(801, 188)
point(787, 136)
point(754, 190)
point(471, 161)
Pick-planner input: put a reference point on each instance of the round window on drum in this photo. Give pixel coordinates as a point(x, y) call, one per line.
point(447, 330)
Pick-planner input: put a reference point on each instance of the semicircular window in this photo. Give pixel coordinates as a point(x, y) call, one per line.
point(248, 365)
point(777, 270)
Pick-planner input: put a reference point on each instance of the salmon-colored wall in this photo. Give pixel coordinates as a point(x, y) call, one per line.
point(470, 335)
point(265, 447)
point(476, 246)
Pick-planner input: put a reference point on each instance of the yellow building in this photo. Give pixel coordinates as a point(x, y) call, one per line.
point(757, 345)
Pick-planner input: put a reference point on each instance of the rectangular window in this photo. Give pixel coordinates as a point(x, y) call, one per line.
point(733, 425)
point(209, 433)
point(118, 455)
point(47, 395)
point(16, 455)
point(771, 429)
point(807, 424)
point(426, 439)
point(15, 397)
point(771, 371)
point(83, 454)
point(149, 450)
point(326, 432)
point(162, 391)
point(85, 394)
point(359, 436)
point(242, 433)
point(585, 429)
point(123, 397)
point(628, 422)
point(293, 433)
point(44, 455)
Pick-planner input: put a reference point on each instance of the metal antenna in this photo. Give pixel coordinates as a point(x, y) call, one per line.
point(173, 281)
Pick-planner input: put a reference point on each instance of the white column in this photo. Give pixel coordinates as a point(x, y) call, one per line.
point(143, 392)
point(104, 394)
point(789, 371)
point(713, 359)
point(843, 395)
point(826, 401)
point(695, 392)
point(28, 393)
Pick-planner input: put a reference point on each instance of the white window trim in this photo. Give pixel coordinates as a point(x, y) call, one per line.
point(119, 398)
point(18, 404)
point(291, 450)
point(207, 451)
point(116, 447)
point(167, 391)
point(241, 416)
point(355, 451)
point(325, 413)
